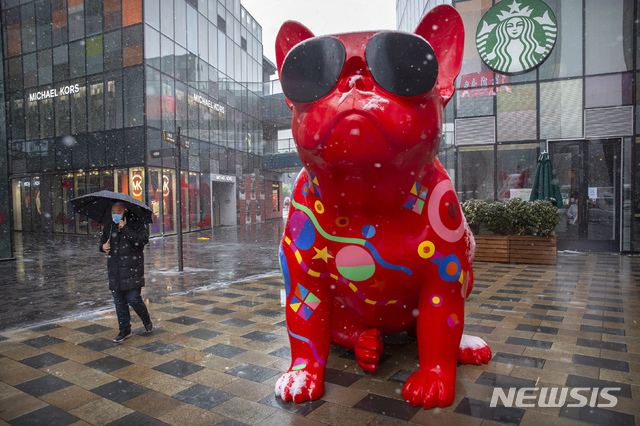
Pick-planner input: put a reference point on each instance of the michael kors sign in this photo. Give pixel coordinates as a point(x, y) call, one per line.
point(53, 93)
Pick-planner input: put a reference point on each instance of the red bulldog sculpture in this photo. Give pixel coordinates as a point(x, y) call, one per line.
point(375, 241)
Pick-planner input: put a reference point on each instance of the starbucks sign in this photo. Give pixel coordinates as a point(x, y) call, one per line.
point(516, 36)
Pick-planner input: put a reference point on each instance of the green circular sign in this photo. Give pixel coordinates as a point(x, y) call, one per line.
point(516, 36)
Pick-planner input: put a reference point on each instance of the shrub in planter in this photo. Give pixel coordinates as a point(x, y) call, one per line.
point(474, 211)
point(497, 219)
point(544, 216)
point(513, 217)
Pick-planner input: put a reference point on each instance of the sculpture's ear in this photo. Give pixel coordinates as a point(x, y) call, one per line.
point(290, 34)
point(442, 27)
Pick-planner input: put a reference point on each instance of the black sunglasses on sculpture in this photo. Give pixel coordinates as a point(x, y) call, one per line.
point(400, 63)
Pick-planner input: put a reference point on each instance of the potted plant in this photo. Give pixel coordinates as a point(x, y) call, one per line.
point(514, 231)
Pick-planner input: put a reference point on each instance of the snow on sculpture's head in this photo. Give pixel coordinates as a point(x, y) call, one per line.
point(359, 99)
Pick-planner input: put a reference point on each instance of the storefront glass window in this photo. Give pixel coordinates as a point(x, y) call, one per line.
point(137, 184)
point(94, 54)
point(561, 109)
point(516, 170)
point(166, 16)
point(57, 198)
point(205, 202)
point(47, 124)
point(112, 50)
point(121, 181)
point(114, 102)
point(475, 173)
point(96, 106)
point(608, 90)
point(45, 67)
point(61, 63)
point(76, 21)
point(28, 27)
point(194, 201)
point(155, 200)
point(93, 185)
point(169, 200)
point(152, 47)
point(43, 24)
point(168, 104)
point(152, 13)
point(134, 97)
point(565, 60)
point(608, 36)
point(79, 110)
point(132, 45)
point(33, 121)
point(167, 61)
point(80, 189)
point(30, 69)
point(517, 113)
point(77, 54)
point(59, 30)
point(131, 12)
point(180, 23)
point(112, 14)
point(154, 96)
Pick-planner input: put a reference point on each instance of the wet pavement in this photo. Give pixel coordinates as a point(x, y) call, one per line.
point(57, 276)
point(220, 344)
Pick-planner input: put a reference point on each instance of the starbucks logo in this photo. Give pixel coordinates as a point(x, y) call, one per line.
point(516, 36)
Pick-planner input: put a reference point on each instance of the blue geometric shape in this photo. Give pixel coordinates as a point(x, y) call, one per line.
point(307, 312)
point(423, 194)
point(368, 231)
point(437, 260)
point(316, 190)
point(295, 300)
point(305, 189)
point(442, 269)
point(303, 291)
point(307, 235)
point(284, 270)
point(409, 202)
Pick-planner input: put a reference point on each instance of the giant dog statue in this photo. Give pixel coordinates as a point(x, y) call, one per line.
point(375, 241)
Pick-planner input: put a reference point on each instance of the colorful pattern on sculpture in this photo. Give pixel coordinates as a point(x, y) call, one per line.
point(375, 241)
point(415, 200)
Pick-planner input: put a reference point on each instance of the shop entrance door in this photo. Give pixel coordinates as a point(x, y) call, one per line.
point(588, 173)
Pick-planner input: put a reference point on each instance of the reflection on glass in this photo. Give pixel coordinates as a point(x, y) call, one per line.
point(516, 170)
point(475, 173)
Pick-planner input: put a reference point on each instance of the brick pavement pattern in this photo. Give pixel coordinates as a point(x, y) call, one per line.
point(215, 355)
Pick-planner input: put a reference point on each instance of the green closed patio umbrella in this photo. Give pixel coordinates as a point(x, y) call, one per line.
point(545, 185)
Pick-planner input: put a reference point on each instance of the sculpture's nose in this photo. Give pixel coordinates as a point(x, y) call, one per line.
point(356, 74)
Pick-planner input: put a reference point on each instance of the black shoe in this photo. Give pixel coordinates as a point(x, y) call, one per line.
point(123, 335)
point(149, 326)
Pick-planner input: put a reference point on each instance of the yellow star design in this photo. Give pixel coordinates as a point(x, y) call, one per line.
point(322, 254)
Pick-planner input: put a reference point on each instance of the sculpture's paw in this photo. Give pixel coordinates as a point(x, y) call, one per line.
point(368, 350)
point(473, 350)
point(299, 386)
point(429, 389)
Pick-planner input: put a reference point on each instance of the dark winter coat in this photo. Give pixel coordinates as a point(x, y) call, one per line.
point(126, 259)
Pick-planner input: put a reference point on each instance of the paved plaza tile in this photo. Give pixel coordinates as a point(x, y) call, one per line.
point(216, 354)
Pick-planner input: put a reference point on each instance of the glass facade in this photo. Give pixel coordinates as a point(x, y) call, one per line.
point(579, 102)
point(6, 251)
point(91, 87)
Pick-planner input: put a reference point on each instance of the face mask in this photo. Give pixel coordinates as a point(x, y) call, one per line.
point(116, 217)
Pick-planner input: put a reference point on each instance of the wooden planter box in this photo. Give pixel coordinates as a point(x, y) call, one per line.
point(530, 249)
point(516, 249)
point(492, 248)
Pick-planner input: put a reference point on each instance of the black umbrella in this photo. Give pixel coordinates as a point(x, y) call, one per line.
point(97, 206)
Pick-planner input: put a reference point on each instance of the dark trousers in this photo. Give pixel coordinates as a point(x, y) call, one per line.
point(124, 299)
